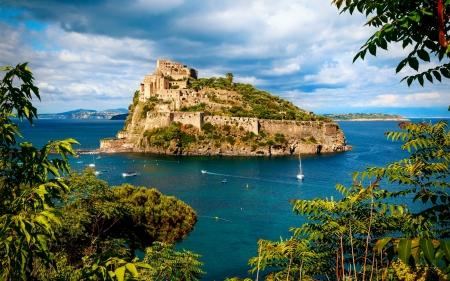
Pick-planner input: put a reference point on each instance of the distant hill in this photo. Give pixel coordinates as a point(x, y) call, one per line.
point(85, 114)
point(120, 116)
point(365, 117)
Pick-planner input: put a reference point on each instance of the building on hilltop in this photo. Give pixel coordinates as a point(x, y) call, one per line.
point(168, 83)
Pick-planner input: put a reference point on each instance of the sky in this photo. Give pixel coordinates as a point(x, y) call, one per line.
point(93, 54)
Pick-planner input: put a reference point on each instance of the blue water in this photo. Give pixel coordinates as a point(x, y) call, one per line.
point(253, 204)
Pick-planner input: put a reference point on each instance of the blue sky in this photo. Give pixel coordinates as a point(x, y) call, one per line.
point(93, 54)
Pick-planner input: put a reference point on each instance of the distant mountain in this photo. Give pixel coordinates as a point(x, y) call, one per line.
point(85, 114)
point(120, 116)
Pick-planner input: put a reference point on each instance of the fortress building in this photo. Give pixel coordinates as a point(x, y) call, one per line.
point(168, 82)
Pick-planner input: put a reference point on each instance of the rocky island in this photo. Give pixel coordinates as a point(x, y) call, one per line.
point(175, 113)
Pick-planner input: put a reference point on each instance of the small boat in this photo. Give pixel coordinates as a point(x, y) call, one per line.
point(224, 181)
point(76, 156)
point(129, 174)
point(97, 173)
point(98, 157)
point(300, 175)
point(203, 171)
point(80, 162)
point(91, 165)
point(104, 171)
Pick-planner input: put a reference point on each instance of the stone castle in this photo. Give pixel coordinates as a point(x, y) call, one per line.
point(168, 84)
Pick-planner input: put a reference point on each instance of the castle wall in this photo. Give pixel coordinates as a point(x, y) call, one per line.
point(193, 118)
point(249, 124)
point(157, 120)
point(302, 129)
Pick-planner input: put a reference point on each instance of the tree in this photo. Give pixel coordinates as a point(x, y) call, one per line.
point(359, 235)
point(229, 77)
point(120, 219)
point(423, 24)
point(27, 195)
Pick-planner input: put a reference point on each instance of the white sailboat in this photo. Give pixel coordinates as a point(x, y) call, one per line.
point(300, 175)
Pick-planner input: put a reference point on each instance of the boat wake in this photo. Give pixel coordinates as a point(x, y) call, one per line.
point(242, 177)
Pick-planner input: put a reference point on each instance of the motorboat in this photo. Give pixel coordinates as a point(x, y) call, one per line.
point(129, 174)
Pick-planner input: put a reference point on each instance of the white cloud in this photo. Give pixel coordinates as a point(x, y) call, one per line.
point(409, 100)
point(298, 49)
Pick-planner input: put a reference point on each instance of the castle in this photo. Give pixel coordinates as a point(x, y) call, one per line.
point(169, 84)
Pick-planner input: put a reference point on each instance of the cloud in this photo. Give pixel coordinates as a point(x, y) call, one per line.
point(409, 100)
point(97, 52)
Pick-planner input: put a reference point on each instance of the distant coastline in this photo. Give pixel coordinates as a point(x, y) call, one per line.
point(112, 114)
point(373, 119)
point(366, 117)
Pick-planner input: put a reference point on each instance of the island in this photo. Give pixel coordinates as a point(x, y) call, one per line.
point(114, 114)
point(365, 117)
point(176, 113)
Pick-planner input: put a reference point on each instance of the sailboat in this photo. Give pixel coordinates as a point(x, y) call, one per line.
point(92, 165)
point(300, 175)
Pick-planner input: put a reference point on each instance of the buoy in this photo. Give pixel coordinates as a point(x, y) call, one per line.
point(217, 218)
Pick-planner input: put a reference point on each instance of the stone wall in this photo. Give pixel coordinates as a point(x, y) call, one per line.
point(249, 124)
point(302, 129)
point(157, 120)
point(193, 118)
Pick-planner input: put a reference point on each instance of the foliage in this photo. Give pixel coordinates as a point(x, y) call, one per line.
point(77, 228)
point(359, 235)
point(258, 104)
point(194, 108)
point(168, 264)
point(27, 194)
point(99, 218)
point(422, 24)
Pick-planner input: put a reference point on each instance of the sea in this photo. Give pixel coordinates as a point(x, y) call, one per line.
point(253, 204)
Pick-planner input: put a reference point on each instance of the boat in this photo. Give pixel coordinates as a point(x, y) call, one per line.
point(224, 181)
point(129, 174)
point(300, 175)
point(92, 164)
point(97, 173)
point(203, 171)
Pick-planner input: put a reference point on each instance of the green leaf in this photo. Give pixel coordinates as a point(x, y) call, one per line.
point(131, 268)
point(445, 72)
point(437, 75)
point(380, 244)
point(427, 249)
point(409, 80)
point(423, 55)
point(429, 77)
point(420, 78)
point(373, 49)
point(413, 63)
point(382, 43)
point(404, 250)
point(120, 273)
point(445, 247)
